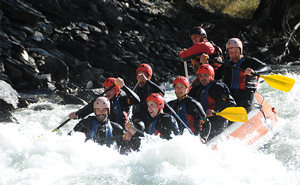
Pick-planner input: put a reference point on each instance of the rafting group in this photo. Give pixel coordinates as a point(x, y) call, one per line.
point(219, 87)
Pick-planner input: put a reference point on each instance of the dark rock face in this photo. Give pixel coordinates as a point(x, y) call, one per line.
point(66, 46)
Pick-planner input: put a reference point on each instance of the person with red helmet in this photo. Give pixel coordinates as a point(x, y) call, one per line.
point(147, 84)
point(120, 103)
point(188, 109)
point(200, 50)
point(214, 96)
point(163, 124)
point(241, 84)
point(102, 130)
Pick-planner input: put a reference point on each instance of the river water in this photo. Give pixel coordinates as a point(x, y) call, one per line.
point(55, 158)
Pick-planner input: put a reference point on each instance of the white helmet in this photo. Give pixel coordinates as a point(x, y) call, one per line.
point(234, 42)
point(101, 103)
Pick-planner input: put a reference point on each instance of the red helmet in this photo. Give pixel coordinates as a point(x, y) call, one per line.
point(101, 103)
point(145, 68)
point(206, 68)
point(157, 98)
point(111, 81)
point(234, 42)
point(182, 80)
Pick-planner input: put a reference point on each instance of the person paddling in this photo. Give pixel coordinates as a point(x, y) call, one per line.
point(188, 109)
point(163, 124)
point(241, 84)
point(119, 103)
point(147, 84)
point(214, 96)
point(100, 128)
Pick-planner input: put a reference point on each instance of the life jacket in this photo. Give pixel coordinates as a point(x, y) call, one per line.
point(120, 114)
point(207, 102)
point(238, 77)
point(136, 108)
point(184, 116)
point(218, 53)
point(92, 133)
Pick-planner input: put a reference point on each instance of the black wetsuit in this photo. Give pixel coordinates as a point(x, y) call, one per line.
point(215, 96)
point(140, 115)
point(242, 86)
point(100, 132)
point(192, 114)
point(119, 106)
point(164, 124)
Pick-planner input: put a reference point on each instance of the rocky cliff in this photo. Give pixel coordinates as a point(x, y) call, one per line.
point(68, 46)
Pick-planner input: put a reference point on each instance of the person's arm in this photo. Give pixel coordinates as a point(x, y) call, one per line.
point(131, 141)
point(201, 122)
point(258, 66)
point(221, 94)
point(86, 110)
point(193, 92)
point(84, 125)
point(263, 70)
point(166, 108)
point(132, 96)
point(166, 126)
point(156, 88)
point(196, 50)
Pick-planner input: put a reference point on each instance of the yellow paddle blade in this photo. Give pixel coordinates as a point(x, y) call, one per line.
point(279, 82)
point(235, 114)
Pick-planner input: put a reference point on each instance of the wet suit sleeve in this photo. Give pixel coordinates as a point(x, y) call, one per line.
point(219, 72)
point(193, 92)
point(166, 125)
point(201, 122)
point(258, 66)
point(133, 98)
point(133, 144)
point(84, 125)
point(156, 88)
point(86, 110)
point(221, 94)
point(166, 108)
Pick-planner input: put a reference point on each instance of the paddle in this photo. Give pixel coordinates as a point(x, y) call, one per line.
point(235, 114)
point(186, 70)
point(276, 81)
point(174, 113)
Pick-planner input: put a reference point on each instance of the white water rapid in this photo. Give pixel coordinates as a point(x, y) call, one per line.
point(57, 159)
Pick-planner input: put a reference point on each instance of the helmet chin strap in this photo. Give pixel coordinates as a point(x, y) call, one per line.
point(158, 112)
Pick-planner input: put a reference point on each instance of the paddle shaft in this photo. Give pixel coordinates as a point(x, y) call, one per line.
point(228, 65)
point(186, 70)
point(174, 113)
point(61, 125)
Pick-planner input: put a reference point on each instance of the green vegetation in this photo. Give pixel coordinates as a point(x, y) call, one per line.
point(235, 8)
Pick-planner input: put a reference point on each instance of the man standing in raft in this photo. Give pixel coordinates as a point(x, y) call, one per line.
point(197, 52)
